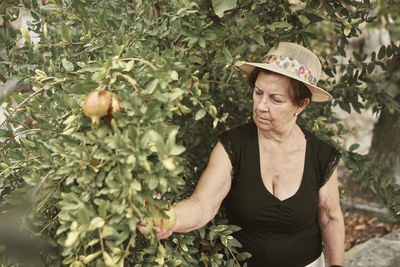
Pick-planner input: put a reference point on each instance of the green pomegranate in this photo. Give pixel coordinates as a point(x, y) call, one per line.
point(166, 223)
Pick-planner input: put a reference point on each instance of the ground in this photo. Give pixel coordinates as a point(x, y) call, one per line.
point(361, 226)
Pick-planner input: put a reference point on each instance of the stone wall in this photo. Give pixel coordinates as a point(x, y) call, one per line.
point(382, 252)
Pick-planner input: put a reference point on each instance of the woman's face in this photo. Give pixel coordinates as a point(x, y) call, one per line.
point(273, 107)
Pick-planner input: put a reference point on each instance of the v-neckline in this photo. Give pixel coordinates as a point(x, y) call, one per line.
point(260, 179)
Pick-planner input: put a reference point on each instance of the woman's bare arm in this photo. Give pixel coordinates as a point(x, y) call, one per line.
point(331, 221)
point(212, 188)
point(203, 204)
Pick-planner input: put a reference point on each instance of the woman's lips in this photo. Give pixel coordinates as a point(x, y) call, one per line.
point(262, 119)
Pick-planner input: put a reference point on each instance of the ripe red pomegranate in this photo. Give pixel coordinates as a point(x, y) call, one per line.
point(100, 104)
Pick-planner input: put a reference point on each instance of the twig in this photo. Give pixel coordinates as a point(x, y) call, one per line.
point(15, 135)
point(16, 164)
point(127, 248)
point(234, 258)
point(65, 176)
point(124, 76)
point(101, 243)
point(28, 98)
point(230, 251)
point(223, 83)
point(64, 44)
point(177, 39)
point(47, 225)
point(41, 182)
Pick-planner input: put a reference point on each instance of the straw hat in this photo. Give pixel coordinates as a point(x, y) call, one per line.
point(296, 62)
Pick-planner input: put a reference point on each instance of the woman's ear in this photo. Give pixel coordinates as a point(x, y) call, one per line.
point(304, 104)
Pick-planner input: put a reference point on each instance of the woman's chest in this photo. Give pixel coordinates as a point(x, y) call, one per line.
point(281, 172)
point(295, 202)
point(250, 203)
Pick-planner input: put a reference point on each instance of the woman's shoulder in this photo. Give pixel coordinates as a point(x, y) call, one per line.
point(240, 132)
point(325, 154)
point(233, 141)
point(241, 129)
point(318, 142)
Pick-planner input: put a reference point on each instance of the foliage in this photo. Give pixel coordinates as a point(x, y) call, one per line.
point(171, 63)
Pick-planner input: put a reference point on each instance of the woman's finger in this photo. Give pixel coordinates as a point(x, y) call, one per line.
point(162, 233)
point(143, 229)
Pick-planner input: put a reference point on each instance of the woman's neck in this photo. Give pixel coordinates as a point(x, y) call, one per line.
point(287, 136)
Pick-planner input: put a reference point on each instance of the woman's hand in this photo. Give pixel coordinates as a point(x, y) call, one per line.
point(162, 233)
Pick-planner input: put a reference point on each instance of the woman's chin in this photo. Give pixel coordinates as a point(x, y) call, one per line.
point(262, 124)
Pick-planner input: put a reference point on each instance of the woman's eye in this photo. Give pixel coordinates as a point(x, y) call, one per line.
point(259, 92)
point(277, 100)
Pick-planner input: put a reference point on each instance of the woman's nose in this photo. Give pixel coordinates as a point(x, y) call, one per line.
point(263, 105)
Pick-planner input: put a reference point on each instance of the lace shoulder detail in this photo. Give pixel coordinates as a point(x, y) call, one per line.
point(333, 161)
point(232, 140)
point(228, 145)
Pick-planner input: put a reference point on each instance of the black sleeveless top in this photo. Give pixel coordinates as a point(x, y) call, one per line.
point(277, 233)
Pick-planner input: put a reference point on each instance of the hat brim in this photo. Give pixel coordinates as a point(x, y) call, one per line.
point(318, 94)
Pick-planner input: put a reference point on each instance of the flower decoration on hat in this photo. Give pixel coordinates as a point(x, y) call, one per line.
point(302, 69)
point(293, 66)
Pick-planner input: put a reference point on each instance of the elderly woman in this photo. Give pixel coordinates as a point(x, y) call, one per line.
point(279, 180)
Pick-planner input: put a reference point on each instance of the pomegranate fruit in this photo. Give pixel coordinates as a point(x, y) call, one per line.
point(114, 107)
point(100, 104)
point(166, 223)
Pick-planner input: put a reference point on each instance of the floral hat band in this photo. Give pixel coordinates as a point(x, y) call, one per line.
point(294, 61)
point(293, 66)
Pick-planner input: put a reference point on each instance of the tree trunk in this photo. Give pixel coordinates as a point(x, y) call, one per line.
point(386, 141)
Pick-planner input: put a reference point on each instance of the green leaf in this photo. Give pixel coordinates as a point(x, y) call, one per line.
point(152, 182)
point(97, 222)
point(129, 79)
point(220, 6)
point(68, 66)
point(151, 87)
point(200, 114)
point(227, 55)
point(282, 24)
point(174, 75)
point(313, 17)
point(370, 67)
point(129, 66)
point(136, 185)
point(26, 35)
point(71, 238)
point(210, 36)
point(259, 38)
point(177, 150)
point(215, 123)
point(6, 133)
point(91, 257)
point(66, 33)
point(169, 164)
point(52, 7)
point(356, 56)
point(347, 31)
point(381, 53)
point(354, 147)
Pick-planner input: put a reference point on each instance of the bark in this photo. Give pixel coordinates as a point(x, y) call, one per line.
point(386, 142)
point(386, 138)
